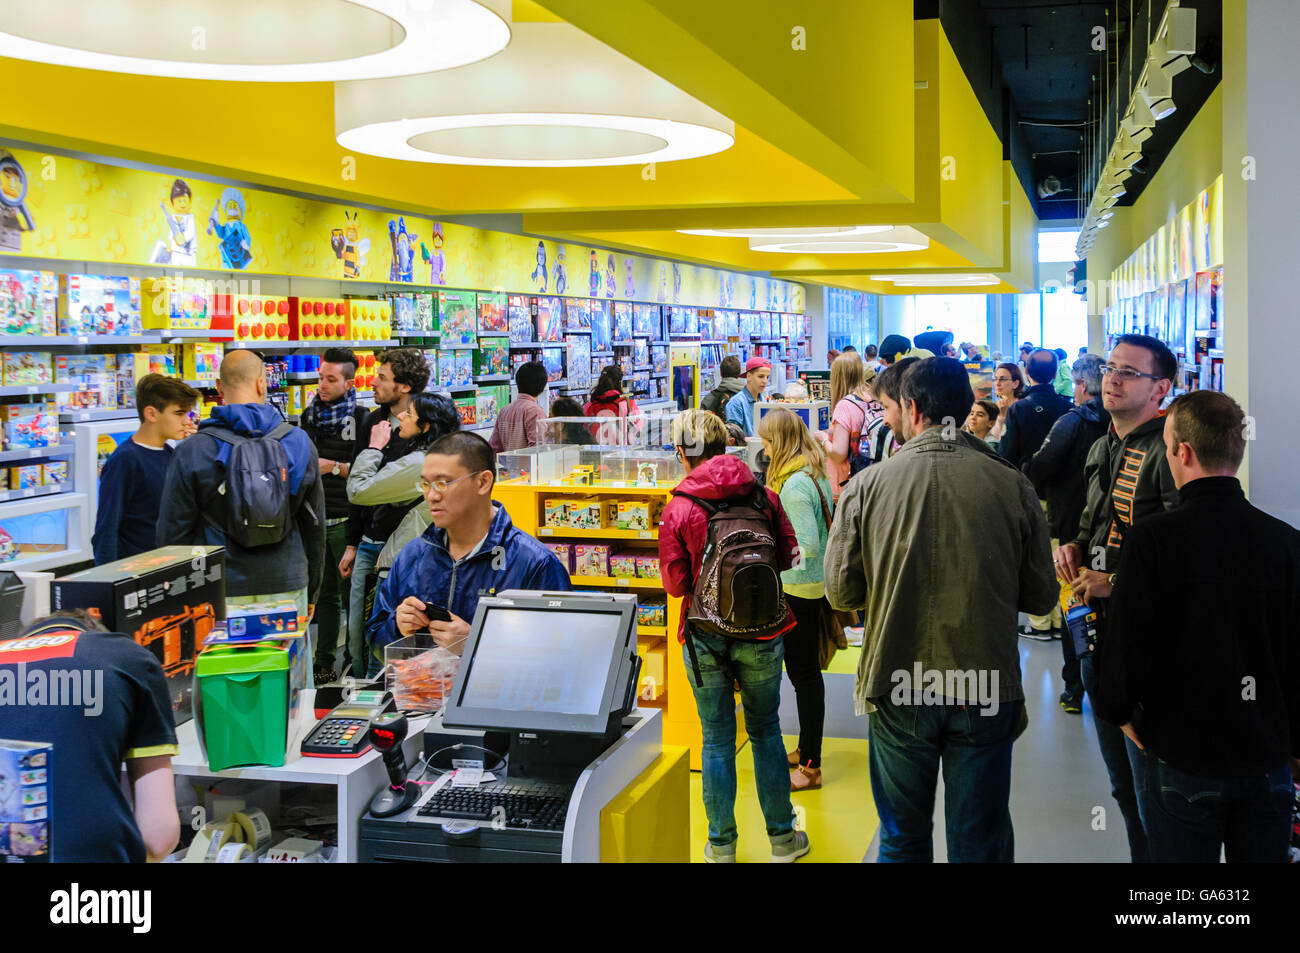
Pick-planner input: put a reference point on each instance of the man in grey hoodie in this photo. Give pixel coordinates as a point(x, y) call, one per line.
point(940, 583)
point(731, 384)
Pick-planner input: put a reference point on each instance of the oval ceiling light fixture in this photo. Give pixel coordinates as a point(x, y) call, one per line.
point(939, 281)
point(555, 97)
point(267, 41)
point(898, 238)
point(836, 231)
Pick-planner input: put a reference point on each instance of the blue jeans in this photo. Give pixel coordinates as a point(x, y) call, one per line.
point(1125, 763)
point(906, 746)
point(757, 666)
point(367, 556)
point(1189, 817)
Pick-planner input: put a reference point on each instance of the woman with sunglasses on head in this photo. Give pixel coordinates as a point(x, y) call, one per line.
point(385, 475)
point(1008, 387)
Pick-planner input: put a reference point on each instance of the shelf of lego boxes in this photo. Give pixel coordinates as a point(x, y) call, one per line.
point(631, 564)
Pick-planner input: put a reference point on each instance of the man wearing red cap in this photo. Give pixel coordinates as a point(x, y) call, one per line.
point(740, 409)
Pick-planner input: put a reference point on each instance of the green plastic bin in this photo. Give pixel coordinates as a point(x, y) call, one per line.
point(244, 699)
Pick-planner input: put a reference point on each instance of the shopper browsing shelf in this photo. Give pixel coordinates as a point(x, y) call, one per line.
point(124, 715)
point(388, 480)
point(609, 401)
point(1128, 481)
point(516, 425)
point(797, 473)
point(1057, 471)
point(1223, 749)
point(729, 385)
point(569, 431)
point(273, 530)
point(950, 618)
point(713, 476)
point(740, 409)
point(403, 372)
point(333, 421)
point(471, 548)
point(1027, 424)
point(131, 484)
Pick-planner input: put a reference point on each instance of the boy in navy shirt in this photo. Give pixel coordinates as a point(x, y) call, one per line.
point(130, 487)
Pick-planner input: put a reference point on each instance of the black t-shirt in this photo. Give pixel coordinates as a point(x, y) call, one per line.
point(99, 699)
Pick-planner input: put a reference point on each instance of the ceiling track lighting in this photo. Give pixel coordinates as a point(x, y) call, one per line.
point(1170, 52)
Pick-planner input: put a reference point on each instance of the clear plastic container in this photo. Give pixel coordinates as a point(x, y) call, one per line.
point(536, 465)
point(419, 672)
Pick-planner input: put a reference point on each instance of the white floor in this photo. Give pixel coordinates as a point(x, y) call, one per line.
point(1060, 794)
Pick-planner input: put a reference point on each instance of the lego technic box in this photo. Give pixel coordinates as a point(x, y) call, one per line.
point(25, 799)
point(166, 599)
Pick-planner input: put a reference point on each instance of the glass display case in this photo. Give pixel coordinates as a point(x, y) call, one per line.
point(588, 451)
point(536, 465)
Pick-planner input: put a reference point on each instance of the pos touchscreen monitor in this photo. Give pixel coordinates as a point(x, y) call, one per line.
point(549, 662)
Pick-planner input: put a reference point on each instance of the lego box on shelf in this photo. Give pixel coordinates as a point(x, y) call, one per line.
point(464, 373)
point(26, 783)
point(591, 560)
point(55, 473)
point(555, 513)
point(99, 304)
point(519, 312)
point(652, 613)
point(457, 318)
point(167, 599)
point(577, 314)
point(26, 477)
point(622, 566)
point(446, 368)
point(97, 383)
point(201, 361)
point(492, 356)
point(485, 408)
point(550, 319)
point(492, 315)
point(564, 553)
point(29, 302)
point(175, 303)
point(633, 514)
point(467, 410)
point(27, 367)
point(29, 425)
point(255, 620)
point(647, 567)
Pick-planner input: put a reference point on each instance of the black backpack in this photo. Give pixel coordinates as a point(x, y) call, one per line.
point(738, 592)
point(258, 506)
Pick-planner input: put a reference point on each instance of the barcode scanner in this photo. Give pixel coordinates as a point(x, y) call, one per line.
point(386, 733)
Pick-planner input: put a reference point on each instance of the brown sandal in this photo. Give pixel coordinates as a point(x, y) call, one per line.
point(793, 758)
point(805, 779)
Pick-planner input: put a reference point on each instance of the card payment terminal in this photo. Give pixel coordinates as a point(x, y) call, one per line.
point(343, 733)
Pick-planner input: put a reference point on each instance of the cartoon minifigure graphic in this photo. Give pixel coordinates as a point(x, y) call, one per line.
point(629, 288)
point(348, 245)
point(402, 264)
point(663, 282)
point(594, 283)
point(14, 217)
point(677, 283)
point(437, 261)
point(561, 273)
point(611, 277)
point(236, 243)
point(753, 294)
point(182, 246)
point(539, 274)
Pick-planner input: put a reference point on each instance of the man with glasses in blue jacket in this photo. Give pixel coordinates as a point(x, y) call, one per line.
point(471, 549)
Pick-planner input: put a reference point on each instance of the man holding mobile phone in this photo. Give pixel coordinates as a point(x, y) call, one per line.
point(471, 549)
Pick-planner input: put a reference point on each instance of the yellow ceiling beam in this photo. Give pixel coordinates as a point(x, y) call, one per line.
point(827, 83)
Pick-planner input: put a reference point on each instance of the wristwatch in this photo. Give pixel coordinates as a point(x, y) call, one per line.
point(337, 469)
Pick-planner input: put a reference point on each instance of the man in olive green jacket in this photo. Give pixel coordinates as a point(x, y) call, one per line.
point(941, 547)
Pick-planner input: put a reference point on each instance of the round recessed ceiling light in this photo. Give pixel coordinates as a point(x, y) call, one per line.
point(836, 231)
point(281, 41)
point(555, 97)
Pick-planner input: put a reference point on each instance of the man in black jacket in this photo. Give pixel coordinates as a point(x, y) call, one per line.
point(1028, 421)
point(730, 384)
point(193, 511)
point(1128, 480)
point(1057, 472)
point(1217, 758)
point(333, 421)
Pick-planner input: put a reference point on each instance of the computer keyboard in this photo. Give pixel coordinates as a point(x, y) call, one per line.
point(531, 807)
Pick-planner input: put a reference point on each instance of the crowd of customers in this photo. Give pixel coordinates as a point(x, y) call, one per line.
point(1078, 497)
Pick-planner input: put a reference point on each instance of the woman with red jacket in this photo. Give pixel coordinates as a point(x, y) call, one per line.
point(608, 400)
point(713, 475)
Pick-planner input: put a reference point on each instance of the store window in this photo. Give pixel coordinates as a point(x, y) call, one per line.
point(1053, 319)
point(966, 316)
point(852, 317)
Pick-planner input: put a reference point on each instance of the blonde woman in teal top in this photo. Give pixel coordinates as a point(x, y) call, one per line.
point(797, 473)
